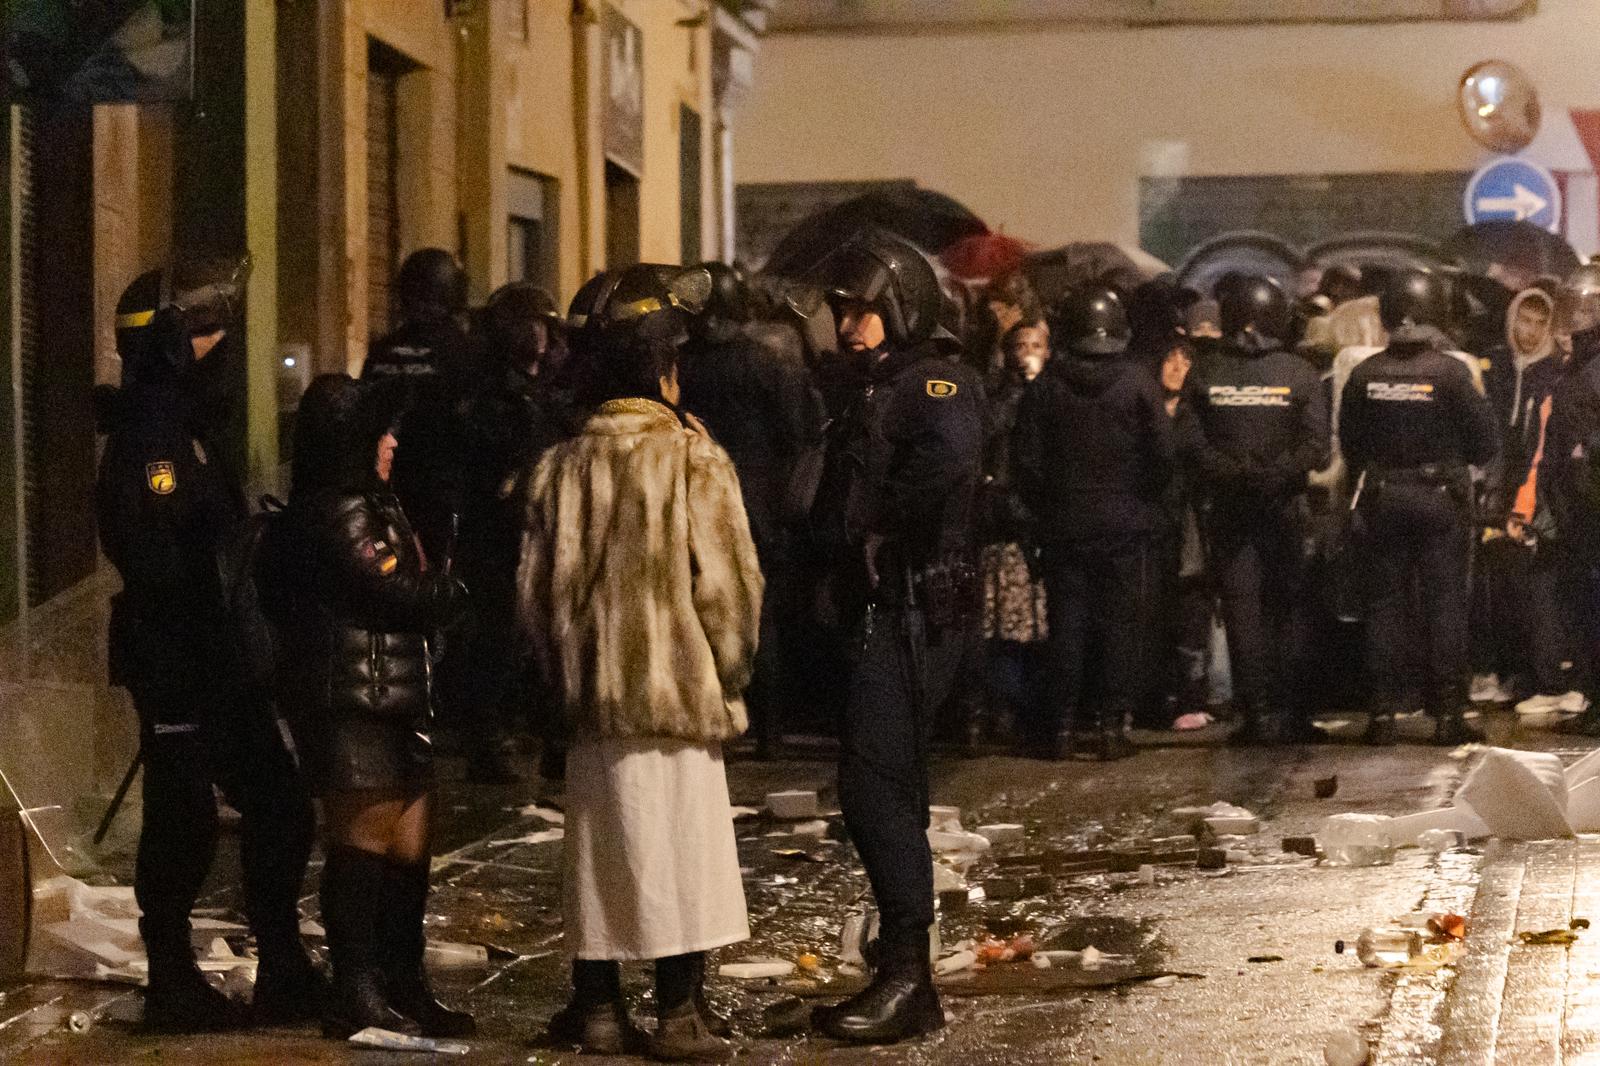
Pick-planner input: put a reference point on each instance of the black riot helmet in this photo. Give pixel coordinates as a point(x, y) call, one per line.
point(730, 298)
point(645, 302)
point(890, 273)
point(432, 285)
point(1252, 302)
point(157, 317)
point(137, 330)
point(1414, 298)
point(1093, 321)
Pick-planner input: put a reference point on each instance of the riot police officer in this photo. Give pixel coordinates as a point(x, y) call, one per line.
point(1094, 450)
point(1411, 422)
point(438, 367)
point(169, 510)
point(1265, 422)
point(910, 453)
point(434, 356)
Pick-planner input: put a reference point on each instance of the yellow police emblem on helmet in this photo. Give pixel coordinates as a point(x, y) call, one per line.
point(161, 478)
point(940, 390)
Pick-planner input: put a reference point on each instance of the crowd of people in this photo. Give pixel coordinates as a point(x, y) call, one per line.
point(864, 499)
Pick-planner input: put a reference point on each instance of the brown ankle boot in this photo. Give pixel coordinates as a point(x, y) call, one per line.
point(682, 1036)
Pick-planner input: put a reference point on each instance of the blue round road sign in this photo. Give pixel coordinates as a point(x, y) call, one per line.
point(1512, 189)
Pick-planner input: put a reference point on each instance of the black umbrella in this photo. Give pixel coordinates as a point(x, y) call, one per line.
point(1520, 246)
point(928, 219)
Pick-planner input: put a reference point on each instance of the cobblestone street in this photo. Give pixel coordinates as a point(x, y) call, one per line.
point(1225, 966)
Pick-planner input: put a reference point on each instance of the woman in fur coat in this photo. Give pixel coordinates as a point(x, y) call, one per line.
point(640, 591)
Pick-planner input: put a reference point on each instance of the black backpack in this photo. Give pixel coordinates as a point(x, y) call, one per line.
point(254, 593)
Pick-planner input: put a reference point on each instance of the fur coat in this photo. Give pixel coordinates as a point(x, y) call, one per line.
point(638, 584)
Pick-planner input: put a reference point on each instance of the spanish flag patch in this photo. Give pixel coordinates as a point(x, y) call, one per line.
point(160, 478)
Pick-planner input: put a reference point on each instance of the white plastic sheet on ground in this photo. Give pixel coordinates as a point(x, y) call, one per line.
point(1519, 795)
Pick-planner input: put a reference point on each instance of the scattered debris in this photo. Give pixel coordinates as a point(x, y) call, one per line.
point(1520, 795)
point(1325, 787)
point(1435, 841)
point(793, 805)
point(1385, 948)
point(549, 814)
point(961, 960)
point(456, 956)
point(1147, 874)
point(1211, 859)
point(1549, 937)
point(756, 969)
point(1001, 833)
point(1578, 923)
point(945, 819)
point(799, 855)
point(1300, 846)
point(1216, 818)
point(389, 1040)
point(544, 836)
point(1357, 840)
point(1188, 723)
point(1446, 927)
point(1264, 958)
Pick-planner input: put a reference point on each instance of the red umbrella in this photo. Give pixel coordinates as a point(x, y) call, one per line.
point(985, 255)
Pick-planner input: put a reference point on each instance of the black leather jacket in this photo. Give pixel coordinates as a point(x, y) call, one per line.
point(370, 604)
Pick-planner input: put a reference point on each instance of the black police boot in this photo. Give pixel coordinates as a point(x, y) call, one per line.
point(900, 1003)
point(290, 990)
point(596, 1020)
point(405, 942)
point(1451, 729)
point(1380, 730)
point(177, 998)
point(352, 895)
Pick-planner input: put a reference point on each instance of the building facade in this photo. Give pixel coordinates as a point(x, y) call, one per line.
point(538, 140)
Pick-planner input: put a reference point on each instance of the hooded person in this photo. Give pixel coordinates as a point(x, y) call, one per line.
point(365, 604)
point(640, 592)
point(1093, 451)
point(169, 508)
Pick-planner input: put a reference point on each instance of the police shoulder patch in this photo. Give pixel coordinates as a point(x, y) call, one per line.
point(161, 478)
point(940, 389)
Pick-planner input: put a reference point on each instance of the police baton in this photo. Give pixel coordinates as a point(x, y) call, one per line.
point(121, 795)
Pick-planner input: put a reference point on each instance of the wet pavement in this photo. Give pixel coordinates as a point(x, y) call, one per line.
point(1201, 966)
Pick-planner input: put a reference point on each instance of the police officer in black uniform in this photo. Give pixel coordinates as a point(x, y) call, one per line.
point(910, 456)
point(1265, 420)
point(440, 368)
point(168, 510)
point(1094, 450)
point(1410, 424)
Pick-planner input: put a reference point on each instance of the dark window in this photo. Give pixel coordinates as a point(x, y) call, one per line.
point(533, 212)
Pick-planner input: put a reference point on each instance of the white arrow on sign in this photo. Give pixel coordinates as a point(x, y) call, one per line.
point(1523, 203)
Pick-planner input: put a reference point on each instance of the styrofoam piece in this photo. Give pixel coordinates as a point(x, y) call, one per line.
point(945, 819)
point(947, 880)
point(446, 954)
point(1001, 832)
point(961, 960)
point(1354, 839)
point(1583, 806)
point(389, 1040)
point(1194, 819)
point(944, 843)
point(756, 970)
point(1520, 795)
point(1408, 827)
point(543, 836)
point(1586, 767)
point(795, 804)
point(1232, 825)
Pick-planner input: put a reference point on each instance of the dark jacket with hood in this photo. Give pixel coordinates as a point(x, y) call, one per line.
point(365, 598)
point(1265, 419)
point(1520, 383)
point(1093, 450)
point(167, 506)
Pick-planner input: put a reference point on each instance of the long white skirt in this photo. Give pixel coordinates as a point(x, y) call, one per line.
point(651, 865)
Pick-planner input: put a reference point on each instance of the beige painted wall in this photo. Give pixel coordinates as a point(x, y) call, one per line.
point(1046, 131)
